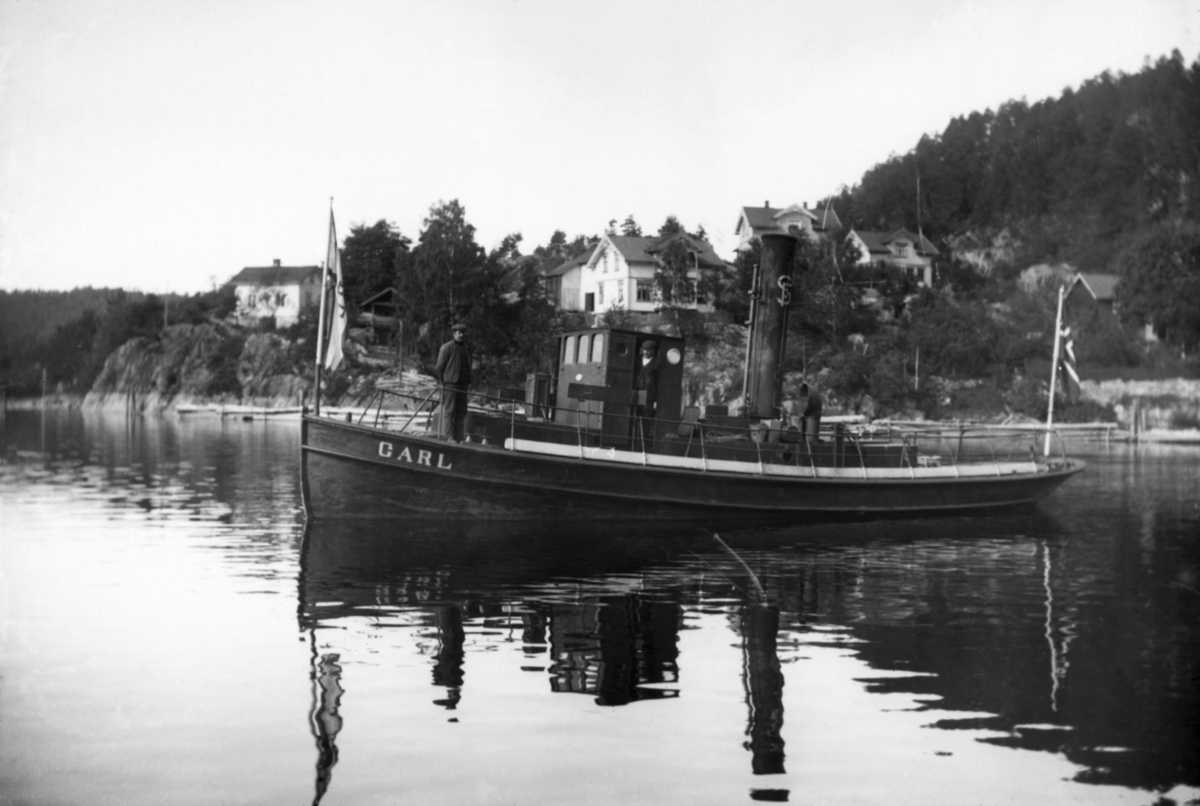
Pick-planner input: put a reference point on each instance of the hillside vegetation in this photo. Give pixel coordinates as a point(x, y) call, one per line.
point(1075, 178)
point(1102, 178)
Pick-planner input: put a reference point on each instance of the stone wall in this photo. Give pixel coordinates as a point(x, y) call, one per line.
point(1166, 404)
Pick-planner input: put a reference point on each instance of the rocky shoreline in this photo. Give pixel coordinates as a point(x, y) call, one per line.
point(210, 369)
point(1155, 421)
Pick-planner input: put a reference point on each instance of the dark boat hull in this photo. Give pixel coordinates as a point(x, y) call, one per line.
point(352, 471)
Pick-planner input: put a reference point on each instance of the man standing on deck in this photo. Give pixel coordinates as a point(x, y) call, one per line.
point(454, 371)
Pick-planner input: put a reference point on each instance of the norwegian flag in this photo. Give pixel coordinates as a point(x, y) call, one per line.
point(1066, 365)
point(337, 325)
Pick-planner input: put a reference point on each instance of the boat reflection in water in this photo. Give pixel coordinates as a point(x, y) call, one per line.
point(606, 614)
point(980, 619)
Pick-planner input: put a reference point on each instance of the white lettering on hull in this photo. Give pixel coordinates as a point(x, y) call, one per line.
point(388, 451)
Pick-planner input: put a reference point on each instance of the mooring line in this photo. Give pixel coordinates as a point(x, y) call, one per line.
point(762, 594)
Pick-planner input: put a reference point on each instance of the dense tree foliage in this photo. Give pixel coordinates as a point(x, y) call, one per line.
point(1075, 176)
point(1161, 281)
point(369, 257)
point(72, 333)
point(444, 278)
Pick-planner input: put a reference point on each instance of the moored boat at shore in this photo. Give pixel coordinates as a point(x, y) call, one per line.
point(609, 436)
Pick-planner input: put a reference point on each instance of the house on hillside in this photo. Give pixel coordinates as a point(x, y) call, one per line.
point(278, 291)
point(1101, 287)
point(563, 281)
point(984, 250)
point(621, 271)
point(900, 249)
point(753, 222)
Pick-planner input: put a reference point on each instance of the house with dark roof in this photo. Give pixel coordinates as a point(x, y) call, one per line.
point(275, 290)
point(1101, 287)
point(622, 270)
point(899, 248)
point(816, 222)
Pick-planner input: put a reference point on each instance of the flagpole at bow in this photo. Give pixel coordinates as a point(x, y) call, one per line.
point(321, 325)
point(329, 349)
point(1054, 369)
point(320, 341)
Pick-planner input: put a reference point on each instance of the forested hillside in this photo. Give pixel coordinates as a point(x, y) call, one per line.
point(70, 334)
point(1074, 178)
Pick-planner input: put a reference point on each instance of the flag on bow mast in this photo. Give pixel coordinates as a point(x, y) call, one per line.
point(337, 327)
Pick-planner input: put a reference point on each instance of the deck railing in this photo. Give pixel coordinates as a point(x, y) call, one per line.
point(912, 445)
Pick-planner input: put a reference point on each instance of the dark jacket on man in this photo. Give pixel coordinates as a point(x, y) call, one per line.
point(454, 363)
point(647, 379)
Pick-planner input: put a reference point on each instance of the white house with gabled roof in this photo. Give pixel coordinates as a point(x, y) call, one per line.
point(900, 249)
point(621, 272)
point(278, 291)
point(754, 222)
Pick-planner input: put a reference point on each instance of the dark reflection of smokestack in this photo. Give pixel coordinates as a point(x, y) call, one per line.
point(611, 649)
point(448, 663)
point(639, 643)
point(763, 680)
point(324, 720)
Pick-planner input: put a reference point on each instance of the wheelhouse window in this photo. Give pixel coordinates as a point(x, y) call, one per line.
point(597, 348)
point(569, 350)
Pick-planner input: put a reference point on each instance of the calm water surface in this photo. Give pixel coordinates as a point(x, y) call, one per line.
point(170, 632)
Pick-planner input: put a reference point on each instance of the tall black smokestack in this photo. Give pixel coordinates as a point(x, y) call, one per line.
point(771, 299)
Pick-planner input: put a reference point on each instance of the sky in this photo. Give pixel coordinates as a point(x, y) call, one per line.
point(163, 146)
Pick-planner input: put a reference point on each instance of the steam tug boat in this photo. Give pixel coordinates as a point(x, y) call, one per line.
point(600, 441)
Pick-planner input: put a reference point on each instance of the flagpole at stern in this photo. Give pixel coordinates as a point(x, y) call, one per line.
point(1054, 370)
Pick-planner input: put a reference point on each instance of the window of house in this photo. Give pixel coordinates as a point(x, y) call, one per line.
point(697, 293)
point(600, 293)
point(645, 291)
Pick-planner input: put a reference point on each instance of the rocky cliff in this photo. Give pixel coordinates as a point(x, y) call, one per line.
point(206, 363)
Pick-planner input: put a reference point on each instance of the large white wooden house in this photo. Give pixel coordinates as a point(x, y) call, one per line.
point(278, 291)
point(620, 272)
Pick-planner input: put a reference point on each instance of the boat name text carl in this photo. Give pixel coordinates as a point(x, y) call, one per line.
point(388, 451)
